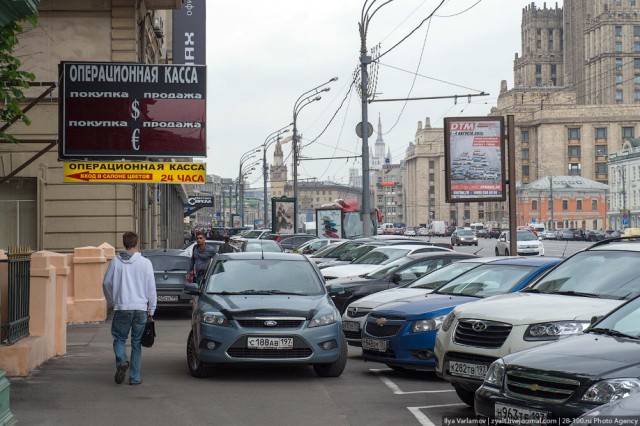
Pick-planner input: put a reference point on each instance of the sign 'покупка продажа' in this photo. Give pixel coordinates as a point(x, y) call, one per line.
point(131, 111)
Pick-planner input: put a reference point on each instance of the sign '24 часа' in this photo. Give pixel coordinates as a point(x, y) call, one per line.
point(114, 110)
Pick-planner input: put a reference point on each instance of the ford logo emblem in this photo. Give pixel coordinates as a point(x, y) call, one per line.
point(479, 326)
point(271, 323)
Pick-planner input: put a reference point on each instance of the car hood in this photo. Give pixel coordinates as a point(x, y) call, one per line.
point(586, 355)
point(347, 270)
point(529, 308)
point(423, 306)
point(239, 305)
point(375, 299)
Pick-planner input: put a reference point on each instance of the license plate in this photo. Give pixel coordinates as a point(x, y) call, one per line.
point(375, 345)
point(464, 369)
point(270, 342)
point(516, 415)
point(167, 298)
point(350, 326)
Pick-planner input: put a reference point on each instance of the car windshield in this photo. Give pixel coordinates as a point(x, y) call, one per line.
point(381, 256)
point(388, 268)
point(356, 253)
point(264, 246)
point(343, 249)
point(264, 276)
point(526, 236)
point(441, 276)
point(325, 251)
point(486, 280)
point(465, 233)
point(624, 321)
point(252, 234)
point(608, 274)
point(169, 263)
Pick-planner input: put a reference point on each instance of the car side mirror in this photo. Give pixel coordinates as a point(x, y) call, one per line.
point(335, 289)
point(396, 278)
point(503, 239)
point(191, 288)
point(594, 319)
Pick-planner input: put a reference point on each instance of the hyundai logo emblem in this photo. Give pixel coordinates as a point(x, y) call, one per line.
point(479, 326)
point(270, 323)
point(352, 311)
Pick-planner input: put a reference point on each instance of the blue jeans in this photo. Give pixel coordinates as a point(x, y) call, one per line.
point(123, 322)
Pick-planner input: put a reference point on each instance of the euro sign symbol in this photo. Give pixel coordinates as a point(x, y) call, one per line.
point(135, 109)
point(135, 139)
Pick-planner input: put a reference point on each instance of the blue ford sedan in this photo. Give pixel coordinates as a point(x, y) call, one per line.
point(264, 308)
point(402, 334)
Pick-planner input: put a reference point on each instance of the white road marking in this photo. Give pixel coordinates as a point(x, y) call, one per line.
point(422, 418)
point(396, 389)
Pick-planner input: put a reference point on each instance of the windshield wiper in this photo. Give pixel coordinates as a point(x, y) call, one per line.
point(610, 332)
point(573, 293)
point(258, 292)
point(532, 290)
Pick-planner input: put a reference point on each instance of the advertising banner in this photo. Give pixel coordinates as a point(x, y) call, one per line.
point(329, 223)
point(134, 172)
point(282, 215)
point(110, 110)
point(190, 33)
point(474, 159)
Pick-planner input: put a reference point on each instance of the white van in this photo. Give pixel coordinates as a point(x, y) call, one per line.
point(477, 226)
point(387, 229)
point(437, 228)
point(538, 227)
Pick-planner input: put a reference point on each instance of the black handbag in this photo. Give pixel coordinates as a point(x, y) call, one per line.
point(149, 334)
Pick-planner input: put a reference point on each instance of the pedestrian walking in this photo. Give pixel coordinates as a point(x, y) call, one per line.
point(226, 247)
point(200, 257)
point(129, 286)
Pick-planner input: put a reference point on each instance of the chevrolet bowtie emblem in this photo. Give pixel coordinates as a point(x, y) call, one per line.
point(381, 321)
point(534, 387)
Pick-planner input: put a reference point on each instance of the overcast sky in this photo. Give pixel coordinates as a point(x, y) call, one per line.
point(262, 55)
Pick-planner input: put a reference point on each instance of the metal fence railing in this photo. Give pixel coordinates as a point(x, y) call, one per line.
point(16, 299)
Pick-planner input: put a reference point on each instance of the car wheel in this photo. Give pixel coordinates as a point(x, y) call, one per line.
point(334, 369)
point(476, 244)
point(497, 252)
point(506, 252)
point(465, 395)
point(197, 368)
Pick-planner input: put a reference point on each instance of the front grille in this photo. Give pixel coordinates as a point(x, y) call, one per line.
point(540, 387)
point(388, 317)
point(269, 353)
point(527, 254)
point(389, 354)
point(491, 335)
point(382, 330)
point(354, 335)
point(280, 323)
point(352, 313)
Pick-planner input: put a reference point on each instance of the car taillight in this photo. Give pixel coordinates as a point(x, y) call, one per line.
point(277, 239)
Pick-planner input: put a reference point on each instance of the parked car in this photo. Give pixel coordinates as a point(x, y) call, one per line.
point(352, 255)
point(377, 256)
point(590, 283)
point(257, 244)
point(566, 379)
point(564, 235)
point(494, 232)
point(466, 237)
point(393, 274)
point(312, 246)
point(549, 234)
point(592, 235)
point(527, 244)
point(625, 408)
point(423, 232)
point(170, 268)
point(402, 333)
point(323, 256)
point(353, 318)
point(289, 242)
point(254, 233)
point(264, 308)
point(410, 232)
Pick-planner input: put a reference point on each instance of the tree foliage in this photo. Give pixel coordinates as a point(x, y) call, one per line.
point(12, 80)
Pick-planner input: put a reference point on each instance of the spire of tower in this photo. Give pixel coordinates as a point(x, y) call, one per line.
point(379, 139)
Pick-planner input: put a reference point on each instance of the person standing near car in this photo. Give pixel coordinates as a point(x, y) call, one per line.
point(226, 247)
point(200, 257)
point(129, 286)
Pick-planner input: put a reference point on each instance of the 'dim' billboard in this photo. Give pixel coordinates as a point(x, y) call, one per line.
point(474, 159)
point(110, 110)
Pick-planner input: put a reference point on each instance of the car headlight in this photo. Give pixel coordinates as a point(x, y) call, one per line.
point(448, 321)
point(553, 330)
point(214, 319)
point(495, 375)
point(611, 390)
point(430, 324)
point(323, 320)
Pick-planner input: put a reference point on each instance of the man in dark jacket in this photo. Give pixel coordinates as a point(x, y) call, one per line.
point(226, 247)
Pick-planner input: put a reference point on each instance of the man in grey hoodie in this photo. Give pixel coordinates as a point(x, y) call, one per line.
point(129, 286)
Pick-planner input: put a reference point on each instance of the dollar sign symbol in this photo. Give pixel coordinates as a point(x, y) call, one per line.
point(135, 109)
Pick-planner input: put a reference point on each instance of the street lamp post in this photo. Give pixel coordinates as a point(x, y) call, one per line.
point(303, 100)
point(273, 137)
point(244, 158)
point(544, 169)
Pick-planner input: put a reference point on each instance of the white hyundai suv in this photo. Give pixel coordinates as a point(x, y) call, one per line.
point(588, 284)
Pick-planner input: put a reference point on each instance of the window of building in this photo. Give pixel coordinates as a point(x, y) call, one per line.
point(636, 95)
point(551, 33)
point(636, 62)
point(594, 205)
point(618, 63)
point(538, 32)
point(618, 30)
point(636, 30)
point(632, 2)
point(550, 44)
point(618, 46)
point(539, 44)
point(636, 79)
point(574, 169)
point(432, 164)
point(601, 132)
point(538, 82)
point(601, 168)
point(565, 204)
point(602, 150)
point(619, 96)
point(432, 177)
point(525, 136)
point(534, 205)
point(525, 154)
point(574, 133)
point(574, 151)
point(525, 170)
point(538, 69)
point(618, 2)
point(636, 46)
point(432, 190)
point(628, 132)
point(553, 68)
point(18, 210)
point(579, 205)
point(554, 81)
point(618, 78)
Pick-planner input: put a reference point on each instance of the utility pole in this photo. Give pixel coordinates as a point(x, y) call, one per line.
point(365, 60)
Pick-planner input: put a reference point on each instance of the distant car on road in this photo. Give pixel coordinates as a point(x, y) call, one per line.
point(549, 234)
point(464, 237)
point(527, 244)
point(257, 244)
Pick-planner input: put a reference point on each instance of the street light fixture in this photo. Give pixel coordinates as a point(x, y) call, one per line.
point(243, 159)
point(303, 100)
point(273, 137)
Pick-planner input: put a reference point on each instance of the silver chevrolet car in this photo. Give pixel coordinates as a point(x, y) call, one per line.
point(264, 308)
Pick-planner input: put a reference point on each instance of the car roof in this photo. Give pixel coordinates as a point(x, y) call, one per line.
point(441, 253)
point(407, 246)
point(164, 252)
point(513, 260)
point(256, 255)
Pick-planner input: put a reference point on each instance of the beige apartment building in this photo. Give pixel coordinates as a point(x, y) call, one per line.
point(39, 210)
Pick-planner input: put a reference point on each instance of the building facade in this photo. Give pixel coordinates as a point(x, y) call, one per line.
point(624, 195)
